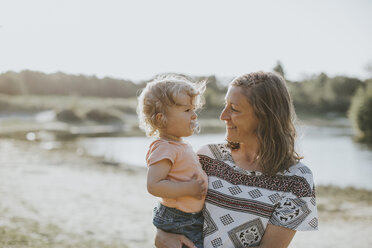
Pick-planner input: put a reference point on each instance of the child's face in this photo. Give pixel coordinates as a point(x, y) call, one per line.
point(181, 118)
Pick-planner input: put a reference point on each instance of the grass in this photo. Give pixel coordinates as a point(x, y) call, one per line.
point(71, 110)
point(31, 234)
point(344, 194)
point(334, 202)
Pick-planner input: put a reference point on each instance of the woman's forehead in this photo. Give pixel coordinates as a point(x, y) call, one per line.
point(236, 96)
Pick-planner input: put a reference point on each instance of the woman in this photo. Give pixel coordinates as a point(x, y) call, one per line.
point(259, 194)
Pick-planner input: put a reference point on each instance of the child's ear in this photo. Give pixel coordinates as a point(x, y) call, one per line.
point(159, 117)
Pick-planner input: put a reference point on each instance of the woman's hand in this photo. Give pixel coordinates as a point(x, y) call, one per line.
point(197, 187)
point(171, 240)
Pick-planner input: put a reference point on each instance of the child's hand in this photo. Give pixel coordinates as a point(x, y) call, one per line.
point(197, 187)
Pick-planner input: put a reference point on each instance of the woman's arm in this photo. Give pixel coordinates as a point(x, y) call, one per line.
point(159, 186)
point(171, 240)
point(276, 236)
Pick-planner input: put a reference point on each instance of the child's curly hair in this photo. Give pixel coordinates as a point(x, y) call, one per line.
point(162, 92)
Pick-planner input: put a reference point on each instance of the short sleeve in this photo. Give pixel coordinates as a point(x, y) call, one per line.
point(298, 211)
point(160, 150)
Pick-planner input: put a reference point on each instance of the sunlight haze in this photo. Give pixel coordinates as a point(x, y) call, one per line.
point(138, 39)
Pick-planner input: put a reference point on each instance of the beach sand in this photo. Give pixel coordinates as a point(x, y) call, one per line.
point(57, 198)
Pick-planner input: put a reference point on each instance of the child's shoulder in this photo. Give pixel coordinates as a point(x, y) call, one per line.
point(159, 142)
point(163, 143)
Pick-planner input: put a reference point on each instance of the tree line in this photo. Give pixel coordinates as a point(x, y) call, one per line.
point(38, 83)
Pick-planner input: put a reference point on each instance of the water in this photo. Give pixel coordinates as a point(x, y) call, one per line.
point(329, 152)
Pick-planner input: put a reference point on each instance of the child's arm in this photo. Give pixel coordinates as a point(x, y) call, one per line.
point(159, 186)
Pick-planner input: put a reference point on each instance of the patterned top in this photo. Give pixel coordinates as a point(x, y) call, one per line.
point(240, 203)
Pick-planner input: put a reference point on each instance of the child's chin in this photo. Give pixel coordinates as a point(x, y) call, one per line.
point(191, 133)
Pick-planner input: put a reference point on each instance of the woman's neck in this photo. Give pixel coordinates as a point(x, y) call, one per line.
point(246, 156)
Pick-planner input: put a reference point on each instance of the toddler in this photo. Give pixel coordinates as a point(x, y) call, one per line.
point(166, 110)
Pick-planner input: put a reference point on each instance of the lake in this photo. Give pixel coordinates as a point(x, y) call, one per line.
point(329, 152)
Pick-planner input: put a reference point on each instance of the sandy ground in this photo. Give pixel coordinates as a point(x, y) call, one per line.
point(59, 199)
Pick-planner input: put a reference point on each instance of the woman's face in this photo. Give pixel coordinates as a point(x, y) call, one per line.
point(241, 122)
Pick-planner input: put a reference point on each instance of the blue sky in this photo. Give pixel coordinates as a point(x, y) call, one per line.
point(138, 39)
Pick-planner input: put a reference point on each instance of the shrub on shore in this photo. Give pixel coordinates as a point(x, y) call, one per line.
point(104, 115)
point(67, 115)
point(360, 112)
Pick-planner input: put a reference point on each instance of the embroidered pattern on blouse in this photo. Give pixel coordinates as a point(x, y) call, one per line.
point(240, 204)
point(221, 152)
point(294, 184)
point(209, 226)
point(248, 234)
point(290, 214)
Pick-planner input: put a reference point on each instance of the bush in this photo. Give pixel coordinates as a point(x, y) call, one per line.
point(4, 105)
point(322, 94)
point(360, 113)
point(104, 115)
point(67, 115)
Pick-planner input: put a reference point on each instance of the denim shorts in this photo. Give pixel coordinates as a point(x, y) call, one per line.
point(175, 221)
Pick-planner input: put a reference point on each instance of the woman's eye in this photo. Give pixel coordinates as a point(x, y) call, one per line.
point(231, 107)
point(187, 110)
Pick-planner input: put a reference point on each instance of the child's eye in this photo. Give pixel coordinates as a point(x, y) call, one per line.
point(234, 109)
point(188, 110)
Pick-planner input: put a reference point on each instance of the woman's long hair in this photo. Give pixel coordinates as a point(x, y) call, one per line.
point(268, 94)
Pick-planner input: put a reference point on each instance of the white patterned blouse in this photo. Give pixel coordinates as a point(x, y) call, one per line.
point(240, 203)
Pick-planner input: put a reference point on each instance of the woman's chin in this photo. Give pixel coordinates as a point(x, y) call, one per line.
point(231, 138)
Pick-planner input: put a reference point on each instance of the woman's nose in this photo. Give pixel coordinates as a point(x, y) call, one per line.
point(224, 115)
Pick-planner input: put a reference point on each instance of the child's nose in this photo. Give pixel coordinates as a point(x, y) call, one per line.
point(194, 115)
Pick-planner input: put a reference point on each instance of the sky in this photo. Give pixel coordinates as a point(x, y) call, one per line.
point(136, 40)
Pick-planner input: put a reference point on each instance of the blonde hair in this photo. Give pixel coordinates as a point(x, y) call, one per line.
point(163, 92)
point(268, 94)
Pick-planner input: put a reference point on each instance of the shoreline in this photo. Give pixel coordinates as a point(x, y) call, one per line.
point(58, 198)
